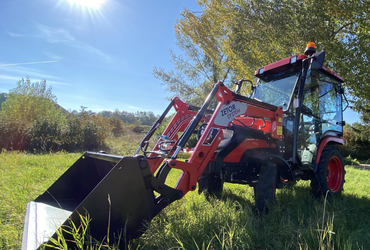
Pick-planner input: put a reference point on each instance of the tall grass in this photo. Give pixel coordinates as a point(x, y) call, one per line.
point(297, 221)
point(22, 178)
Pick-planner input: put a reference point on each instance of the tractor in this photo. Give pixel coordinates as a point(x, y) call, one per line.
point(286, 130)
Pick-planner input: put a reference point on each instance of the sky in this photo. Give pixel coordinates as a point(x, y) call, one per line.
point(99, 54)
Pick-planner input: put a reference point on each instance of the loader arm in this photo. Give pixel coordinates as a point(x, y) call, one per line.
point(232, 110)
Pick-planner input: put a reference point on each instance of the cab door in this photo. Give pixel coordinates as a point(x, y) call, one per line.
point(321, 114)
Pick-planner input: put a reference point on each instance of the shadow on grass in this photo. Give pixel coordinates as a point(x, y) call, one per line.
point(228, 196)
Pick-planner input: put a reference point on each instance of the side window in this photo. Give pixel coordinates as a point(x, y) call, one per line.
point(321, 112)
point(323, 103)
point(330, 104)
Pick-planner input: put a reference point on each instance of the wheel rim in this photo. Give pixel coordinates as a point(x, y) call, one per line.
point(334, 174)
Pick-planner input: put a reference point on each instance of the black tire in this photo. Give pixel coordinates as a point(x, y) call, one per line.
point(210, 183)
point(265, 190)
point(329, 176)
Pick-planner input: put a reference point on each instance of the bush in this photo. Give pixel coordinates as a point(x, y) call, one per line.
point(31, 120)
point(349, 161)
point(85, 132)
point(116, 126)
point(140, 129)
point(28, 115)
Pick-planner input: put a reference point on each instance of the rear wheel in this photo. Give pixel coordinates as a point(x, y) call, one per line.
point(210, 183)
point(265, 190)
point(329, 178)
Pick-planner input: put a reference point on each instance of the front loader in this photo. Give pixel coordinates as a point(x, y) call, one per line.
point(285, 131)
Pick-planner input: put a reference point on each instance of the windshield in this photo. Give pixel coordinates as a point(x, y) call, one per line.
point(276, 89)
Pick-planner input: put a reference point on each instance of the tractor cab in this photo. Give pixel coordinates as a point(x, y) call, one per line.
point(311, 98)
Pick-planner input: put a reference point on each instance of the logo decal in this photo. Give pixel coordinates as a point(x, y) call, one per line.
point(229, 112)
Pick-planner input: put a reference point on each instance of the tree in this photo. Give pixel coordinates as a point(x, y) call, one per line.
point(253, 33)
point(116, 126)
point(29, 116)
point(194, 71)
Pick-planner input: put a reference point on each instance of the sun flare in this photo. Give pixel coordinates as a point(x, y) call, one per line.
point(91, 4)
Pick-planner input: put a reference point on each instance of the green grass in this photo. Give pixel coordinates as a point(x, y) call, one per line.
point(297, 221)
point(22, 178)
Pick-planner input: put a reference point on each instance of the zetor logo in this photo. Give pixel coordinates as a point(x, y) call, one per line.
point(230, 111)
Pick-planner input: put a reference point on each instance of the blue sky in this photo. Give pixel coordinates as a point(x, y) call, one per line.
point(100, 57)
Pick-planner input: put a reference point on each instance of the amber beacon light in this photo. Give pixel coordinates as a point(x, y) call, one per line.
point(310, 49)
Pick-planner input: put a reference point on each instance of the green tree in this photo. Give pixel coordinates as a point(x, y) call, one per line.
point(194, 71)
point(116, 126)
point(253, 33)
point(29, 117)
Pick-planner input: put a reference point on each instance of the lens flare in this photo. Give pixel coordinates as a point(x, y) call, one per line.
point(91, 4)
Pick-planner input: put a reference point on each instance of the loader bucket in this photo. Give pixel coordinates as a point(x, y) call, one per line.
point(116, 193)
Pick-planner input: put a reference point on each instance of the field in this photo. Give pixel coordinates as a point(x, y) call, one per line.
point(297, 221)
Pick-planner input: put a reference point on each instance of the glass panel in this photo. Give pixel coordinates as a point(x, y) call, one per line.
point(321, 112)
point(277, 89)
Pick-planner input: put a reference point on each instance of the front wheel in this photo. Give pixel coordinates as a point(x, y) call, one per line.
point(329, 177)
point(265, 190)
point(210, 183)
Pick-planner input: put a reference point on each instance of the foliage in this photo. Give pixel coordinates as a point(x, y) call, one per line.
point(117, 126)
point(194, 71)
point(350, 161)
point(139, 129)
point(31, 120)
point(140, 117)
point(356, 141)
point(3, 97)
point(86, 130)
point(251, 34)
point(29, 117)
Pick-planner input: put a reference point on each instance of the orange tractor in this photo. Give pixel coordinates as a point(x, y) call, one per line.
point(285, 131)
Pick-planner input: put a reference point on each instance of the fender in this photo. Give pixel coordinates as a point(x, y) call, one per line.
point(325, 141)
point(282, 164)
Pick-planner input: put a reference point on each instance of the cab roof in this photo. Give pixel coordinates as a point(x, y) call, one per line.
point(289, 63)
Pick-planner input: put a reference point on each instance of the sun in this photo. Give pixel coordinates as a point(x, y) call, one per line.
point(91, 4)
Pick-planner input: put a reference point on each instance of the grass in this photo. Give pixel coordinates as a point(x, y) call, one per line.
point(297, 221)
point(22, 178)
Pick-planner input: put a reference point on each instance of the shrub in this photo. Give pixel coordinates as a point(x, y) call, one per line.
point(27, 115)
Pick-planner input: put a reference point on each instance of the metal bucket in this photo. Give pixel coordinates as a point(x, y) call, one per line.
point(115, 192)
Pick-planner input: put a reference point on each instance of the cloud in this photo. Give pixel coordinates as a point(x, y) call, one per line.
point(16, 64)
point(10, 78)
point(53, 56)
point(101, 109)
point(55, 35)
point(15, 73)
point(14, 34)
point(133, 107)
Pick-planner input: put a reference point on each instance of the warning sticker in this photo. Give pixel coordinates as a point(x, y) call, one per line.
point(279, 130)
